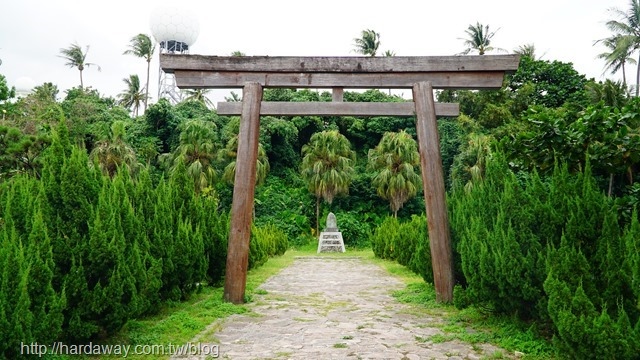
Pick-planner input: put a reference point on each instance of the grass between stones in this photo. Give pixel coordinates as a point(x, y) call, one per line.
point(469, 325)
point(203, 314)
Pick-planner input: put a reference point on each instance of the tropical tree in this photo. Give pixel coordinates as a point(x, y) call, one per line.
point(230, 152)
point(142, 46)
point(327, 166)
point(627, 27)
point(133, 96)
point(238, 53)
point(611, 93)
point(76, 58)
point(199, 95)
point(617, 57)
point(395, 161)
point(368, 43)
point(6, 92)
point(526, 50)
point(197, 151)
point(46, 92)
point(113, 151)
point(389, 53)
point(479, 39)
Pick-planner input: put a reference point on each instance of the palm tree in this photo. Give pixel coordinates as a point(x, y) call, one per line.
point(197, 151)
point(628, 28)
point(238, 53)
point(228, 155)
point(368, 43)
point(618, 56)
point(479, 39)
point(327, 166)
point(142, 46)
point(133, 96)
point(76, 58)
point(389, 53)
point(199, 95)
point(528, 50)
point(113, 151)
point(395, 161)
point(611, 93)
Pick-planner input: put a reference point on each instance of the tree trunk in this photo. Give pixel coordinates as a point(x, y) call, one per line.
point(638, 77)
point(81, 83)
point(317, 216)
point(146, 94)
point(610, 184)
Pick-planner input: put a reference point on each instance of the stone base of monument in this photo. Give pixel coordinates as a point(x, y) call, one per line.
point(331, 238)
point(330, 241)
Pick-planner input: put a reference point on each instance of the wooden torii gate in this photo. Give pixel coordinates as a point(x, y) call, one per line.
point(421, 74)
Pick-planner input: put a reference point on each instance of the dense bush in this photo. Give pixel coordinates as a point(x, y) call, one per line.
point(406, 242)
point(265, 242)
point(82, 253)
point(553, 251)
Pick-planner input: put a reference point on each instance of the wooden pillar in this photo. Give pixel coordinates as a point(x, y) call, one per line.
point(434, 191)
point(243, 193)
point(337, 94)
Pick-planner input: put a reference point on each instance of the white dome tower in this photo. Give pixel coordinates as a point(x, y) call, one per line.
point(175, 29)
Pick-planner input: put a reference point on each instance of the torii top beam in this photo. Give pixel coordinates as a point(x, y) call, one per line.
point(397, 72)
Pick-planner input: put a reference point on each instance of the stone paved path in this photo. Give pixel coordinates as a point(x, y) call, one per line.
point(334, 308)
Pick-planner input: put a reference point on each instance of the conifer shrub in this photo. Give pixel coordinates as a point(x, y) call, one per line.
point(554, 251)
point(383, 238)
point(258, 248)
point(405, 242)
point(81, 253)
point(266, 241)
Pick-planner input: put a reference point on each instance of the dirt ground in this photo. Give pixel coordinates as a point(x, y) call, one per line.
point(334, 308)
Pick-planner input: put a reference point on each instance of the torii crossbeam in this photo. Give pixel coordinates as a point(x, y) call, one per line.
point(421, 74)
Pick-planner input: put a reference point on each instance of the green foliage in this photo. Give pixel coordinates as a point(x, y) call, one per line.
point(327, 166)
point(355, 228)
point(163, 124)
point(608, 137)
point(554, 82)
point(81, 253)
point(395, 163)
point(6, 93)
point(550, 250)
point(197, 152)
point(286, 203)
point(406, 242)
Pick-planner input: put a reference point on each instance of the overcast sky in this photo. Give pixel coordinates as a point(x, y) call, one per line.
point(32, 32)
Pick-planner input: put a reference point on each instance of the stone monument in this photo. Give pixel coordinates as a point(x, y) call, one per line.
point(331, 237)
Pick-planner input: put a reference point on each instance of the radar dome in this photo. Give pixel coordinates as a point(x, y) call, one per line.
point(174, 26)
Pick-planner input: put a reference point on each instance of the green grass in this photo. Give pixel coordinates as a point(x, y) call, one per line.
point(179, 323)
point(468, 325)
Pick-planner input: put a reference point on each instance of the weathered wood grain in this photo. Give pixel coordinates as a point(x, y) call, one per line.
point(439, 80)
point(243, 195)
point(346, 64)
point(277, 108)
point(434, 191)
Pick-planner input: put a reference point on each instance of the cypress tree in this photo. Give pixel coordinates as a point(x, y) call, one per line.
point(5, 306)
point(17, 304)
point(163, 242)
point(46, 304)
